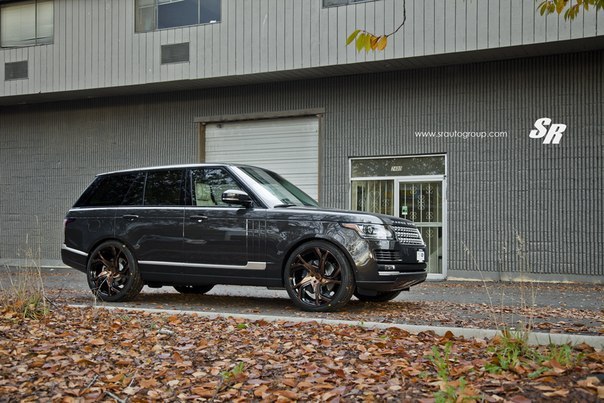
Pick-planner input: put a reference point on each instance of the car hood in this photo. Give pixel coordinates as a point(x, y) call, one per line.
point(337, 215)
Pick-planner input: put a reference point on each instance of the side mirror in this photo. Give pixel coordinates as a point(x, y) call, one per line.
point(237, 197)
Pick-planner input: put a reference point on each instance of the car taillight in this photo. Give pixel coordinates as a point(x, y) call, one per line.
point(67, 221)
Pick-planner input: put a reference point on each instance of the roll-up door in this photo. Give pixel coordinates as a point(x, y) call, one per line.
point(288, 146)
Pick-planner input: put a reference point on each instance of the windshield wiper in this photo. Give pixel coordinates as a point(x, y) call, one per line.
point(284, 205)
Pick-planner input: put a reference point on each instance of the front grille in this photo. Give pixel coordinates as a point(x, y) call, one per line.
point(408, 235)
point(384, 255)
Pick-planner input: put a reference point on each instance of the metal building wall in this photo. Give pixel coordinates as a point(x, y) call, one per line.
point(503, 194)
point(95, 44)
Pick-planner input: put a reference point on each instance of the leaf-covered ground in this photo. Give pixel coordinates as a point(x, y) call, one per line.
point(98, 355)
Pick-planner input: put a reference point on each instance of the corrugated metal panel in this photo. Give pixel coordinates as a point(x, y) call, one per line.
point(96, 46)
point(287, 146)
point(550, 196)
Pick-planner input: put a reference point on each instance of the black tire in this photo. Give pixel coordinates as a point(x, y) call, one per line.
point(193, 289)
point(379, 297)
point(113, 273)
point(318, 277)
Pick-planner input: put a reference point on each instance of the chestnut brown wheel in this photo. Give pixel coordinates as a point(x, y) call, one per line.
point(380, 296)
point(113, 273)
point(318, 277)
point(193, 289)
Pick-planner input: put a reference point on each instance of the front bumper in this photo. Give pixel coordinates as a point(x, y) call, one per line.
point(401, 278)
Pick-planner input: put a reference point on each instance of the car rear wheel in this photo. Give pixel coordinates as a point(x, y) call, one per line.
point(193, 289)
point(379, 297)
point(318, 277)
point(112, 272)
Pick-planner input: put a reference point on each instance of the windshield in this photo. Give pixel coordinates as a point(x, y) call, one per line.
point(284, 191)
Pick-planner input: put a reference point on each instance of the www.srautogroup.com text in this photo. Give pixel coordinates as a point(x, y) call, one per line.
point(461, 134)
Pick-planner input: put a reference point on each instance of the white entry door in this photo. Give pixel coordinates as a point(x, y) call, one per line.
point(422, 201)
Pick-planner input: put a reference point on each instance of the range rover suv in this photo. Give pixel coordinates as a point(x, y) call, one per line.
point(194, 226)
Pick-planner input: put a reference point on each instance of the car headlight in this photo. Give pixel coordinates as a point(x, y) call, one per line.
point(371, 231)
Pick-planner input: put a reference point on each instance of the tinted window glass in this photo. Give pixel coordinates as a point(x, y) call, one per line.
point(134, 197)
point(108, 190)
point(209, 184)
point(164, 188)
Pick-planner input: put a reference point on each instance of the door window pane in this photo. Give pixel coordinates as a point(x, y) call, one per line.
point(164, 188)
point(373, 196)
point(421, 202)
point(208, 184)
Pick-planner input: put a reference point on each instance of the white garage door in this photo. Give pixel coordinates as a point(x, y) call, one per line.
point(288, 146)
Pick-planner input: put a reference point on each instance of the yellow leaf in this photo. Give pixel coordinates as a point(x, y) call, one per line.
point(382, 42)
point(360, 44)
point(373, 40)
point(352, 36)
point(560, 5)
point(367, 42)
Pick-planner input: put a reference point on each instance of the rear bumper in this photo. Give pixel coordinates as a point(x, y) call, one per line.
point(74, 258)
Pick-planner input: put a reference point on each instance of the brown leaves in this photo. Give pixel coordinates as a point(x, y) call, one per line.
point(104, 355)
point(368, 41)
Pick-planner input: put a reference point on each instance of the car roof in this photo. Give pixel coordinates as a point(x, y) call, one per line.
point(178, 166)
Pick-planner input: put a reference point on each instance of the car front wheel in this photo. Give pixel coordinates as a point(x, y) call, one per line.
point(112, 272)
point(318, 277)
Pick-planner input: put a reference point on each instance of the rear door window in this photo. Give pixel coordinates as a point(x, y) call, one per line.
point(111, 190)
point(164, 188)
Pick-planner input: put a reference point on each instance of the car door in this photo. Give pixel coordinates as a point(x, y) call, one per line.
point(153, 228)
point(222, 240)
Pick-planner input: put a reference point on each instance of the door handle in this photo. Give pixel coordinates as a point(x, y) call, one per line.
point(198, 218)
point(130, 217)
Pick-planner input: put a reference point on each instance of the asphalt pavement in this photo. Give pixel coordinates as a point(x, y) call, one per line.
point(575, 309)
point(554, 295)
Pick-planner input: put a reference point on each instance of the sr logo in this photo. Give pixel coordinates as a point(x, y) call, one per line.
point(552, 135)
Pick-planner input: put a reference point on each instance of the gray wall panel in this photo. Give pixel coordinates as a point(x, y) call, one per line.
point(95, 45)
point(499, 190)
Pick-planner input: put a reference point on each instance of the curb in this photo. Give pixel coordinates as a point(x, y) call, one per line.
point(534, 338)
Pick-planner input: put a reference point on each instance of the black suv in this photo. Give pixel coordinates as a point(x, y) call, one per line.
point(195, 226)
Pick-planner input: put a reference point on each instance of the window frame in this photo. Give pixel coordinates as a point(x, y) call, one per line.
point(139, 26)
point(38, 40)
point(345, 3)
point(191, 196)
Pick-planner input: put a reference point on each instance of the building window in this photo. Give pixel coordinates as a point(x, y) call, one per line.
point(160, 14)
point(336, 3)
point(26, 23)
